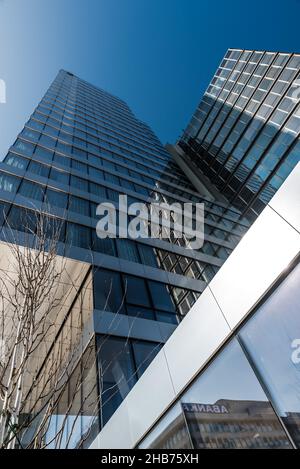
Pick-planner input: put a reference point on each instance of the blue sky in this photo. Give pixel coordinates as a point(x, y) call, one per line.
point(157, 55)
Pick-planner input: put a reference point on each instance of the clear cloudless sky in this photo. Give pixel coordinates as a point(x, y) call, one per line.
point(157, 55)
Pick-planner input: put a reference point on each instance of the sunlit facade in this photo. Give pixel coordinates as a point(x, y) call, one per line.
point(244, 134)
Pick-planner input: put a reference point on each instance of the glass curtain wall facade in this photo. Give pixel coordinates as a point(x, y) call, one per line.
point(248, 396)
point(83, 146)
point(244, 134)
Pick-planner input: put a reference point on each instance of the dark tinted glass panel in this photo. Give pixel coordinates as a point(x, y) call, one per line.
point(170, 318)
point(144, 352)
point(140, 312)
point(47, 141)
point(79, 183)
point(115, 362)
point(108, 293)
point(136, 291)
point(55, 229)
point(161, 297)
point(148, 255)
point(98, 190)
point(78, 236)
point(77, 165)
point(106, 245)
point(78, 205)
point(3, 212)
point(96, 173)
point(21, 220)
point(127, 249)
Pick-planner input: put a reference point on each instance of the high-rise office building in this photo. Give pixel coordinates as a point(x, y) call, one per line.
point(244, 135)
point(81, 147)
point(228, 377)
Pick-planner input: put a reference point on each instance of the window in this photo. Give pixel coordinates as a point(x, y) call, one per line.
point(38, 168)
point(78, 236)
point(31, 190)
point(3, 212)
point(24, 147)
point(170, 318)
point(56, 198)
point(8, 183)
point(108, 293)
point(225, 407)
point(127, 184)
point(112, 195)
point(161, 297)
point(276, 354)
point(22, 220)
point(81, 153)
point(55, 229)
point(144, 352)
point(79, 205)
point(59, 176)
point(148, 255)
point(43, 153)
point(106, 245)
point(118, 373)
point(96, 173)
point(79, 183)
point(127, 250)
point(98, 190)
point(61, 159)
point(77, 165)
point(16, 161)
point(112, 178)
point(136, 291)
point(49, 142)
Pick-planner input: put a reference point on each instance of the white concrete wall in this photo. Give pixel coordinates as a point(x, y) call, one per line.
point(264, 253)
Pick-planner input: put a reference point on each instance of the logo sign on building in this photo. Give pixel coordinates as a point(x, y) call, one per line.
point(205, 408)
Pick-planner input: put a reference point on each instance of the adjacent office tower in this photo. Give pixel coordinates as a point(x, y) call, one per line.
point(244, 135)
point(83, 146)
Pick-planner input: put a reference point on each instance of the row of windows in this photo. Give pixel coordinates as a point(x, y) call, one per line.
point(160, 155)
point(66, 147)
point(135, 296)
point(75, 235)
point(53, 127)
point(241, 145)
point(53, 198)
point(50, 142)
point(116, 130)
point(69, 124)
point(140, 129)
point(254, 81)
point(96, 189)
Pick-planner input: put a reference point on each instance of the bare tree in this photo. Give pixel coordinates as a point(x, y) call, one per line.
point(34, 285)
